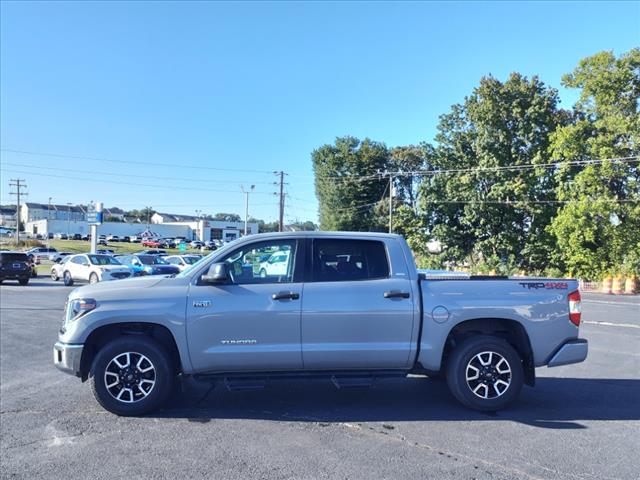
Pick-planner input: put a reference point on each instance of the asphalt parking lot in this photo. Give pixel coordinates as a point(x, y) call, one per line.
point(579, 422)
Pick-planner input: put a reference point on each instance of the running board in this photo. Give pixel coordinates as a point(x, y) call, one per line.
point(240, 384)
point(352, 382)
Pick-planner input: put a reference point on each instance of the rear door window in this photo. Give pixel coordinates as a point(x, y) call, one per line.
point(13, 257)
point(337, 260)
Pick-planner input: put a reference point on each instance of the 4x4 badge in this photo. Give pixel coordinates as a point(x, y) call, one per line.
point(202, 303)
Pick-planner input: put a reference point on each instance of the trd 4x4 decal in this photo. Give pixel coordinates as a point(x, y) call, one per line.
point(547, 285)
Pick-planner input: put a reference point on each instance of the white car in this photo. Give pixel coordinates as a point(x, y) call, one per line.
point(182, 261)
point(56, 257)
point(113, 238)
point(58, 267)
point(42, 253)
point(276, 265)
point(93, 268)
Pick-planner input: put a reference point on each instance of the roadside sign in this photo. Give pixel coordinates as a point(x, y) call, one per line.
point(94, 213)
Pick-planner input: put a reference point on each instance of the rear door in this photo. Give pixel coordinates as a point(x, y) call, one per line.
point(358, 310)
point(251, 323)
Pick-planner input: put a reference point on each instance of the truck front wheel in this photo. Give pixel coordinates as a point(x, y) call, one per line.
point(485, 373)
point(132, 375)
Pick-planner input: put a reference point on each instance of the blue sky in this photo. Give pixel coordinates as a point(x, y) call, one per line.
point(191, 100)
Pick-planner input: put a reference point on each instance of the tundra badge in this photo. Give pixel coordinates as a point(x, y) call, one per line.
point(202, 303)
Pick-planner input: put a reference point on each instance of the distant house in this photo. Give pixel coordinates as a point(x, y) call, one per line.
point(172, 218)
point(30, 212)
point(8, 216)
point(115, 213)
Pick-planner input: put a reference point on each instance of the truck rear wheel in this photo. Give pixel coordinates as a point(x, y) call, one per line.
point(132, 375)
point(485, 373)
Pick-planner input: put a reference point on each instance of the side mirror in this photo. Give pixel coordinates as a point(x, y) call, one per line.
point(218, 273)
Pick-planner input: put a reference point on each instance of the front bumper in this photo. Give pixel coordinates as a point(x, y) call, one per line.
point(67, 357)
point(572, 351)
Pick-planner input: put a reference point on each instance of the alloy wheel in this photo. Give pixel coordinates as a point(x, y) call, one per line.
point(130, 377)
point(488, 375)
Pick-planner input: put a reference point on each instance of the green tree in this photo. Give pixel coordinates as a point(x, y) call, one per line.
point(598, 230)
point(348, 183)
point(480, 211)
point(229, 217)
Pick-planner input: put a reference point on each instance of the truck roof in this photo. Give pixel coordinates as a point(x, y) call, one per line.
point(326, 234)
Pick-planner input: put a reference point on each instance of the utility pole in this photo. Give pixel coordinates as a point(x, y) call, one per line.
point(281, 216)
point(48, 221)
point(246, 207)
point(390, 202)
point(18, 183)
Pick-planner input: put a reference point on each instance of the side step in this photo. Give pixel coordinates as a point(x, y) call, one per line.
point(352, 381)
point(236, 384)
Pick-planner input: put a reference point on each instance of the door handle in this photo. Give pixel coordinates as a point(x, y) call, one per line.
point(285, 296)
point(396, 294)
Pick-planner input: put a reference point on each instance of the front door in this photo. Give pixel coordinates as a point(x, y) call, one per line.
point(358, 310)
point(253, 322)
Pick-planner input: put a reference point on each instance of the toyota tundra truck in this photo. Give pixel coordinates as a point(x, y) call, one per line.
point(351, 307)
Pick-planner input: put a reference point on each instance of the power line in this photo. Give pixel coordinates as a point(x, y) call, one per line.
point(137, 162)
point(164, 187)
point(130, 175)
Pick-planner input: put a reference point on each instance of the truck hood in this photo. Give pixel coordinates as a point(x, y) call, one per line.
point(121, 287)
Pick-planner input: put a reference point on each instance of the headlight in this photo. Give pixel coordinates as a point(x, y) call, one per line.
point(78, 307)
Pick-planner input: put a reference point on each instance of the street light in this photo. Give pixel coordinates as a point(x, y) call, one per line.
point(246, 207)
point(48, 221)
point(68, 219)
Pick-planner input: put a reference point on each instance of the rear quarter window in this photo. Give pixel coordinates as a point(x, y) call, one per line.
point(338, 260)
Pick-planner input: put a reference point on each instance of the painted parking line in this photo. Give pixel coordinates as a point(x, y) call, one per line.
point(603, 302)
point(610, 324)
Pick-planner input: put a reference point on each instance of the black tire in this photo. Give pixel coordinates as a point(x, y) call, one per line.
point(54, 276)
point(164, 376)
point(23, 281)
point(460, 362)
point(93, 278)
point(67, 279)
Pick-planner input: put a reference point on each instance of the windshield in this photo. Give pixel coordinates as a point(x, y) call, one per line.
point(191, 260)
point(103, 260)
point(151, 260)
point(13, 257)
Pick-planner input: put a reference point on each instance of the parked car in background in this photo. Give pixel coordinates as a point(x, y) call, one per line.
point(77, 236)
point(182, 261)
point(151, 242)
point(275, 265)
point(33, 264)
point(148, 265)
point(153, 251)
point(113, 238)
point(210, 245)
point(135, 239)
point(178, 240)
point(42, 253)
point(93, 268)
point(126, 238)
point(54, 257)
point(58, 267)
point(15, 266)
point(196, 244)
point(60, 236)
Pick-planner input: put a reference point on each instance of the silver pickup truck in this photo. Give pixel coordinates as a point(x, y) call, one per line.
point(348, 306)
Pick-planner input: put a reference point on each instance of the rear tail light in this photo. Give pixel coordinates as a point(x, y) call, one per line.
point(575, 308)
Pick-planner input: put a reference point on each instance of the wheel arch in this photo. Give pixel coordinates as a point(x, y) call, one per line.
point(105, 334)
point(512, 331)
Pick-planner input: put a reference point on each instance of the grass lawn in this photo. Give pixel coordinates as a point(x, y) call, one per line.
point(80, 246)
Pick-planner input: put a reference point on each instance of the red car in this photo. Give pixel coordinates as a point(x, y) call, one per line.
point(150, 242)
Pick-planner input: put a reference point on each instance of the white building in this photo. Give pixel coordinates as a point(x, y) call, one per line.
point(207, 229)
point(8, 217)
point(30, 212)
